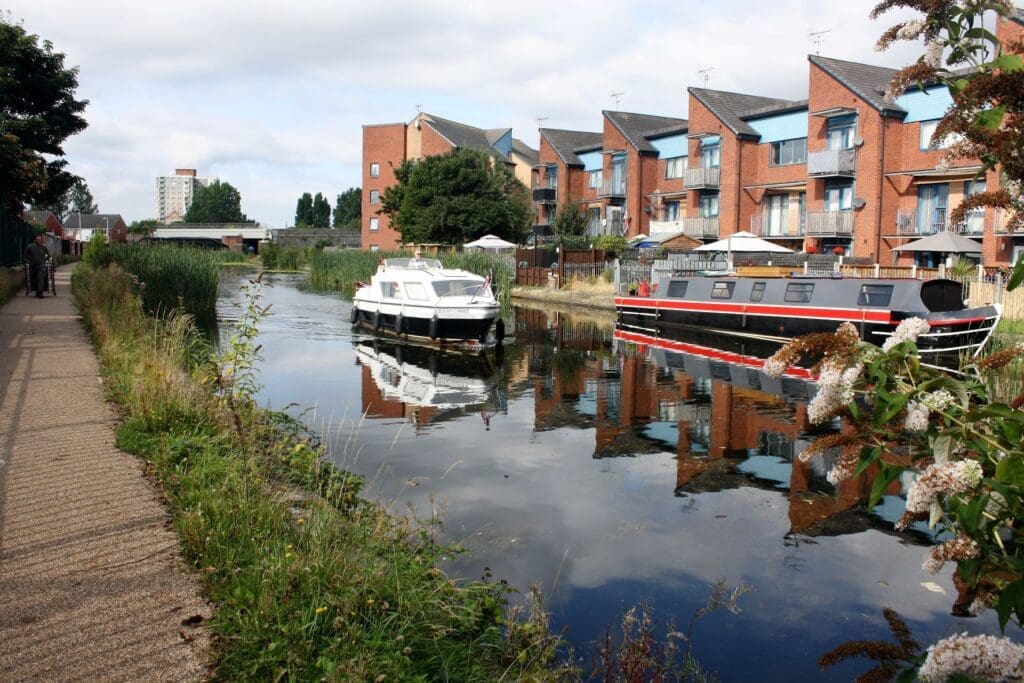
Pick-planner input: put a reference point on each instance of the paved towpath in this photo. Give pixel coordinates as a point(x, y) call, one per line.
point(92, 585)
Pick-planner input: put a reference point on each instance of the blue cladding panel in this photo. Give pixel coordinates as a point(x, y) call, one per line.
point(710, 140)
point(931, 104)
point(591, 161)
point(781, 127)
point(504, 143)
point(672, 146)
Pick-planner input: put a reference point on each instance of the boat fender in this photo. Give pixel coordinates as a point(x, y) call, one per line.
point(499, 330)
point(354, 315)
point(399, 323)
point(433, 327)
point(376, 320)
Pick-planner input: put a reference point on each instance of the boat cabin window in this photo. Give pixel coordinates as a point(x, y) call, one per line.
point(416, 290)
point(875, 295)
point(942, 295)
point(798, 292)
point(757, 293)
point(390, 289)
point(722, 290)
point(457, 287)
point(677, 289)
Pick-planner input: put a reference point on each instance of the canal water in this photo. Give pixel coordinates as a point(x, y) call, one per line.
point(611, 474)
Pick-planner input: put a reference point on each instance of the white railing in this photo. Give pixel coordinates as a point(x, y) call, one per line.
point(700, 226)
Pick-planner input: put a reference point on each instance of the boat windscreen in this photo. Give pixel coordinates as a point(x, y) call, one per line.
point(942, 295)
point(458, 287)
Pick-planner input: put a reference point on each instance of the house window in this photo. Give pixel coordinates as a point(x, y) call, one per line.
point(374, 196)
point(774, 214)
point(594, 179)
point(708, 205)
point(798, 293)
point(374, 224)
point(975, 217)
point(789, 152)
point(374, 247)
point(671, 211)
point(928, 132)
point(875, 295)
point(674, 167)
point(932, 200)
point(711, 156)
point(841, 132)
point(374, 170)
point(722, 290)
point(551, 177)
point(619, 174)
point(757, 293)
point(839, 197)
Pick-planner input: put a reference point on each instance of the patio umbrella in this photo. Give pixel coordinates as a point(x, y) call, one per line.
point(489, 242)
point(944, 242)
point(746, 242)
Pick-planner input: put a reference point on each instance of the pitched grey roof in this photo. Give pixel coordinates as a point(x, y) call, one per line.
point(466, 137)
point(637, 128)
point(531, 155)
point(864, 80)
point(731, 107)
point(91, 220)
point(36, 216)
point(567, 143)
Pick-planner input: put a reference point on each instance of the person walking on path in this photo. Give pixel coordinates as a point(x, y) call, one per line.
point(38, 259)
point(92, 582)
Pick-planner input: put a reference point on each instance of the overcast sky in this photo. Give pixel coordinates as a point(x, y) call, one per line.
point(272, 97)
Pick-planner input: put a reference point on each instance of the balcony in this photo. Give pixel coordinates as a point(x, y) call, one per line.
point(545, 195)
point(699, 226)
point(832, 162)
point(612, 187)
point(702, 178)
point(830, 224)
point(761, 226)
point(909, 223)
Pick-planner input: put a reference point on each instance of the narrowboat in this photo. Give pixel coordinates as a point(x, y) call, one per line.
point(419, 300)
point(780, 308)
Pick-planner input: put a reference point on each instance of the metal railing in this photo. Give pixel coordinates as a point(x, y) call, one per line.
point(612, 187)
point(832, 162)
point(909, 222)
point(830, 224)
point(702, 177)
point(544, 195)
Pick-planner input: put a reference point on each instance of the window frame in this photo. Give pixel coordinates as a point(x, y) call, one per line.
point(374, 170)
point(798, 293)
point(722, 289)
point(374, 196)
point(758, 290)
point(675, 285)
point(674, 167)
point(864, 297)
point(374, 224)
point(776, 155)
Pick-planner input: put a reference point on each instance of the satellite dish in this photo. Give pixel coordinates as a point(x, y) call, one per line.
point(858, 203)
point(857, 141)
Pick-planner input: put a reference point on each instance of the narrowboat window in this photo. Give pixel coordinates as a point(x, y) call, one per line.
point(415, 290)
point(799, 292)
point(875, 295)
point(722, 290)
point(757, 293)
point(677, 288)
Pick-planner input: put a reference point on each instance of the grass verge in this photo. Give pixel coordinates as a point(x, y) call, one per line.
point(308, 580)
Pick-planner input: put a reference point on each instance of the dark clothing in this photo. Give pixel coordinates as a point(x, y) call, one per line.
point(37, 256)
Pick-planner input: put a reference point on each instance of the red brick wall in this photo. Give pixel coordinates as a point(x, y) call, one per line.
point(434, 143)
point(614, 140)
point(383, 145)
point(703, 121)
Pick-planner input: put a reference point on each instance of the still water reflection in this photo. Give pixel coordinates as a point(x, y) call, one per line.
point(611, 471)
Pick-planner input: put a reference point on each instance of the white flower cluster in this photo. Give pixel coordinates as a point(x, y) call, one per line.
point(933, 54)
point(938, 400)
point(835, 390)
point(911, 29)
point(917, 417)
point(985, 658)
point(774, 367)
point(960, 548)
point(908, 330)
point(950, 477)
point(841, 471)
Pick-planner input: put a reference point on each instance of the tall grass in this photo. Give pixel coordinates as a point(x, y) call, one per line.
point(338, 271)
point(308, 581)
point(273, 257)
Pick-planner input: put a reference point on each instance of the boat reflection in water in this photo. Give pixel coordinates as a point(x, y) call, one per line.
point(425, 384)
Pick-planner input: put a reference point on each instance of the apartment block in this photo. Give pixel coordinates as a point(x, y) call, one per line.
point(386, 146)
point(174, 194)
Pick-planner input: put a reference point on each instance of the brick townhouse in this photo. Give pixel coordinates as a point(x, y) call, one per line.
point(845, 170)
point(386, 146)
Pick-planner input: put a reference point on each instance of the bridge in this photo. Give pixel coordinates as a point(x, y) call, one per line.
point(238, 236)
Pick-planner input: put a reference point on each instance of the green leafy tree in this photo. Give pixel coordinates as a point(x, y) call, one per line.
point(144, 227)
point(570, 220)
point(457, 197)
point(38, 111)
point(304, 211)
point(80, 198)
point(348, 211)
point(216, 203)
point(321, 212)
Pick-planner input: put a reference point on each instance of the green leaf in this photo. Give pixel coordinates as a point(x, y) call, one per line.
point(893, 409)
point(868, 455)
point(990, 118)
point(1018, 275)
point(941, 447)
point(1008, 62)
point(1010, 470)
point(882, 481)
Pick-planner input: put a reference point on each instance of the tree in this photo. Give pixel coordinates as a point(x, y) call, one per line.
point(304, 211)
point(457, 197)
point(144, 227)
point(38, 111)
point(80, 198)
point(348, 212)
point(321, 212)
point(570, 221)
point(216, 203)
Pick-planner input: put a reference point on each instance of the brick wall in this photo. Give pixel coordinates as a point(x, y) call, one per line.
point(384, 145)
point(702, 120)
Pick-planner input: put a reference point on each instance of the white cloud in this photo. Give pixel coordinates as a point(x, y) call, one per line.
point(272, 97)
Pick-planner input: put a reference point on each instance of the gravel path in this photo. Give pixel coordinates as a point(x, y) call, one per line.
point(92, 585)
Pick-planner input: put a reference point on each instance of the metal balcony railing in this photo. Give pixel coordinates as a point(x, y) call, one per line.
point(544, 195)
point(701, 177)
point(762, 226)
point(830, 224)
point(612, 187)
point(911, 222)
point(700, 226)
point(832, 162)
